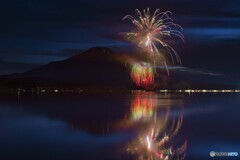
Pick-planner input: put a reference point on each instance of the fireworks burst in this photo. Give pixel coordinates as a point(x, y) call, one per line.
point(142, 74)
point(152, 30)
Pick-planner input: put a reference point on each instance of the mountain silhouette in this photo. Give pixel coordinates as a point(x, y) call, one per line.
point(96, 68)
point(100, 68)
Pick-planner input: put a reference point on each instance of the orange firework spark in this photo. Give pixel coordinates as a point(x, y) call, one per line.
point(142, 74)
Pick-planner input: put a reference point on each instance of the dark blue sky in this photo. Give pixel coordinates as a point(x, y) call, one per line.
point(34, 32)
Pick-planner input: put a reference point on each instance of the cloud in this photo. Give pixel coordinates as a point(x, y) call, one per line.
point(191, 70)
point(213, 34)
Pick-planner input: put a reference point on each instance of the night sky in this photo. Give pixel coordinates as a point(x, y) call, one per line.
point(36, 32)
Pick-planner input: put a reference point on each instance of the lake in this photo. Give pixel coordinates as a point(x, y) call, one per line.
point(141, 125)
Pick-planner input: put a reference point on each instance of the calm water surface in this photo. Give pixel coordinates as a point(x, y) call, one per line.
point(119, 126)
